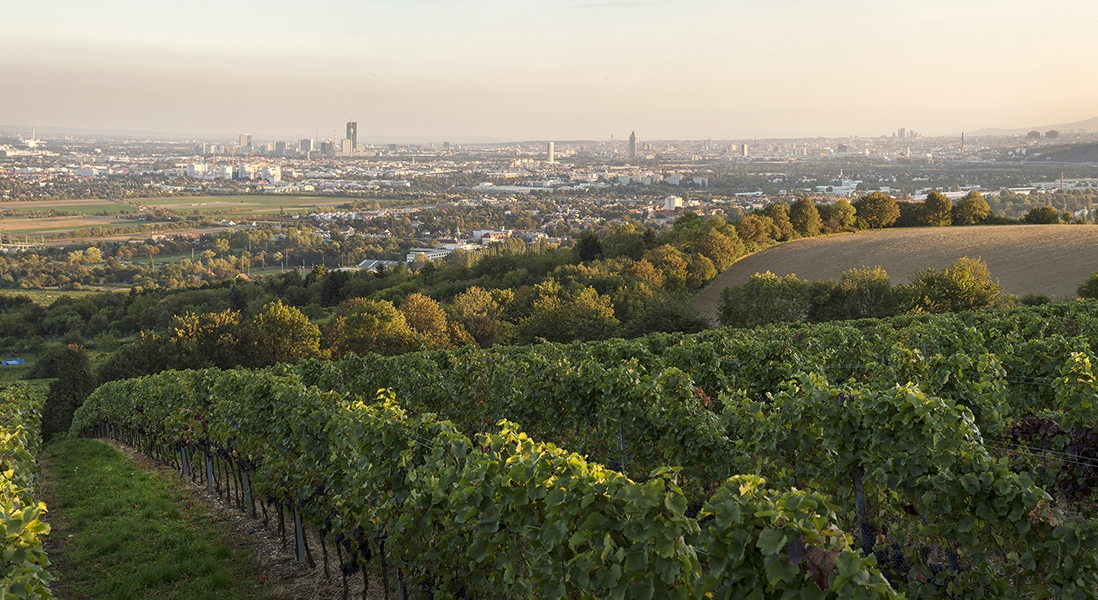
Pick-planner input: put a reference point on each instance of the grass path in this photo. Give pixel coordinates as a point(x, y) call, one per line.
point(122, 531)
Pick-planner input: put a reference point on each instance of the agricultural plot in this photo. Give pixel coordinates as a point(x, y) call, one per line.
point(1043, 259)
point(241, 205)
point(727, 462)
point(82, 206)
point(49, 225)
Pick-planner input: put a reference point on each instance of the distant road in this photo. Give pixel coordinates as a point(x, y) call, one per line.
point(1044, 259)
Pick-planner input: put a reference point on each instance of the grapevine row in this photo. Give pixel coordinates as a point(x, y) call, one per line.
point(496, 515)
point(24, 567)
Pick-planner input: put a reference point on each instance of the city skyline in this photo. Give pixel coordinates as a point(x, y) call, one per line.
point(478, 70)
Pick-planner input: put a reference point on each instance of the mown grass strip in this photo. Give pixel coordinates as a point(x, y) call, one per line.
point(122, 531)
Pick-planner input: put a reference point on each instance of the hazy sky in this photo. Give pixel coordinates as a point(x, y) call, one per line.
point(548, 69)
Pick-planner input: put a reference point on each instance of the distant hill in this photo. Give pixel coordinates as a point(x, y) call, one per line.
point(1071, 154)
point(1044, 259)
point(1089, 125)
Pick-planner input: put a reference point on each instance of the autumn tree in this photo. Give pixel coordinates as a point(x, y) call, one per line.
point(424, 315)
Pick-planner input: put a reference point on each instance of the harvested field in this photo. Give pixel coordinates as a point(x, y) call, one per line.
point(1044, 259)
point(83, 206)
point(48, 225)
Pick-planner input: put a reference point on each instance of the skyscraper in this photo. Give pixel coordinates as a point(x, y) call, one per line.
point(633, 145)
point(352, 133)
point(305, 145)
point(552, 157)
point(245, 140)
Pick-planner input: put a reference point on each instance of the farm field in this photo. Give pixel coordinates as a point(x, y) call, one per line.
point(83, 206)
point(47, 225)
point(1044, 259)
point(257, 204)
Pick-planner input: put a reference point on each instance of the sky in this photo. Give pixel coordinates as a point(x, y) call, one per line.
point(547, 69)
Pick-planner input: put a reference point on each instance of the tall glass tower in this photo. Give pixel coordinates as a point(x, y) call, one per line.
point(352, 133)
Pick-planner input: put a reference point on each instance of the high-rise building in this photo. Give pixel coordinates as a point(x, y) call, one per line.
point(305, 145)
point(743, 150)
point(245, 140)
point(280, 147)
point(352, 133)
point(552, 157)
point(901, 132)
point(633, 145)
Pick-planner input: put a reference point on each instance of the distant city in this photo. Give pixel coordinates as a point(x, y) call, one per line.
point(347, 166)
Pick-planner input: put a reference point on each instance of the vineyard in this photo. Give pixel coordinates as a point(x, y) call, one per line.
point(23, 564)
point(931, 456)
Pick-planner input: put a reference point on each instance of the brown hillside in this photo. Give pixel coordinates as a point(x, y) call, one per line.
point(1045, 259)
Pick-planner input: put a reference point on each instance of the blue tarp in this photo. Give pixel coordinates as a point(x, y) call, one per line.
point(12, 362)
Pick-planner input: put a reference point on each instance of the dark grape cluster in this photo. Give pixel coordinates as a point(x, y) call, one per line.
point(893, 563)
point(1079, 475)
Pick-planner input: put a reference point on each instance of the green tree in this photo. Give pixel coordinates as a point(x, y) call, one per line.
point(1089, 288)
point(361, 326)
point(876, 210)
point(565, 316)
point(844, 213)
point(667, 315)
point(588, 248)
point(74, 383)
point(937, 211)
point(672, 263)
point(963, 285)
point(625, 241)
point(757, 231)
point(861, 293)
point(283, 334)
point(478, 312)
point(699, 271)
point(766, 298)
point(721, 248)
point(1043, 215)
point(200, 341)
point(805, 218)
point(971, 210)
point(783, 228)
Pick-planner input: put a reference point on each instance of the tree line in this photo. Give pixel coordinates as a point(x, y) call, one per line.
point(868, 293)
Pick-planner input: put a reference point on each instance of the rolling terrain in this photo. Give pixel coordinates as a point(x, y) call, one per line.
point(1044, 259)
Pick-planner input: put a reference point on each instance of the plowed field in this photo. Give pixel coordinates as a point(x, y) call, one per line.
point(1044, 259)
